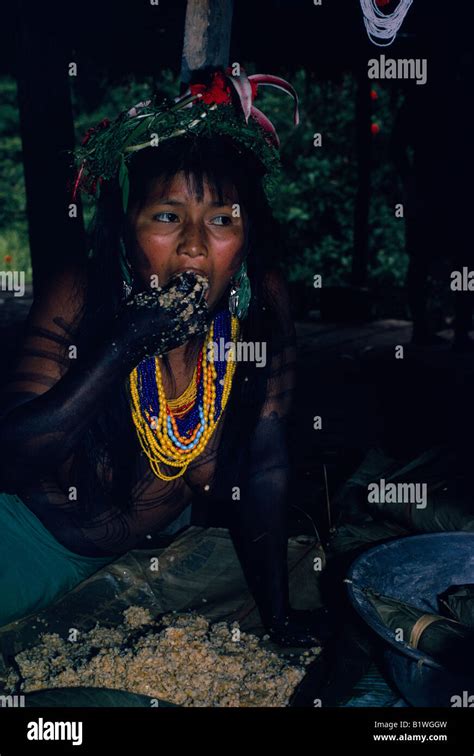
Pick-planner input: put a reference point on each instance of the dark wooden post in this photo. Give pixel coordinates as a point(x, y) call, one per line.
point(206, 35)
point(47, 133)
point(362, 200)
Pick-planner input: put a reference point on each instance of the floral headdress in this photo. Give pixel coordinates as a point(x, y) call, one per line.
point(222, 106)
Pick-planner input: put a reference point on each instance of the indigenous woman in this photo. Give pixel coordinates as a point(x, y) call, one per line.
point(121, 408)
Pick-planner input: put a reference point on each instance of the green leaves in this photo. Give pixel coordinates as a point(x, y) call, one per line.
point(124, 183)
point(298, 213)
point(313, 198)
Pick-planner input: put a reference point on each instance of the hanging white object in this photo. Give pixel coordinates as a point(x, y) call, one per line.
point(383, 26)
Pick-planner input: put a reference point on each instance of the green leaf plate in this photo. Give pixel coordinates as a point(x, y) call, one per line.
point(90, 698)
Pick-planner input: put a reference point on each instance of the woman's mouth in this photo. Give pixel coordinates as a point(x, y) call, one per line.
point(200, 278)
point(189, 269)
point(200, 275)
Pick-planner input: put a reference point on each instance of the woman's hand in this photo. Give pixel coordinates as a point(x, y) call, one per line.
point(156, 321)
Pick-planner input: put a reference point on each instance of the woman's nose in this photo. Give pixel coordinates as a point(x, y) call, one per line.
point(192, 242)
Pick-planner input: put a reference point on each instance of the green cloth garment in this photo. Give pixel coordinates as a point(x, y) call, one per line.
point(35, 569)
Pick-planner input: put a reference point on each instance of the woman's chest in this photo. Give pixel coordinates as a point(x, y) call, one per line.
point(197, 475)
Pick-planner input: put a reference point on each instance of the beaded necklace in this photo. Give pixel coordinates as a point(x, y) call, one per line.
point(175, 432)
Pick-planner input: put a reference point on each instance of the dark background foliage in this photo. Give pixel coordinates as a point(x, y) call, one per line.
point(124, 51)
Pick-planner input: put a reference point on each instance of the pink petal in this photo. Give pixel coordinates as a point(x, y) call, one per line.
point(266, 125)
point(244, 90)
point(278, 83)
point(77, 181)
point(134, 111)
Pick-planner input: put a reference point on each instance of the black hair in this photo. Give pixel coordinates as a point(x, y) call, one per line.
point(111, 443)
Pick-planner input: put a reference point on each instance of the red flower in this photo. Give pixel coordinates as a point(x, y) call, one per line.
point(375, 128)
point(215, 94)
point(88, 135)
point(8, 259)
point(102, 125)
point(373, 94)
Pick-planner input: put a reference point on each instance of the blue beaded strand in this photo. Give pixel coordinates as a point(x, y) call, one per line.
point(148, 389)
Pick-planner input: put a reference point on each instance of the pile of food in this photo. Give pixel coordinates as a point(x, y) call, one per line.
point(184, 660)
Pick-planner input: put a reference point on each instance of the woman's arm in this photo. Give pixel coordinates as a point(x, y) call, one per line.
point(43, 361)
point(259, 522)
point(53, 397)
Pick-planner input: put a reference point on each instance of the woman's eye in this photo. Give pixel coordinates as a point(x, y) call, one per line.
point(222, 220)
point(166, 217)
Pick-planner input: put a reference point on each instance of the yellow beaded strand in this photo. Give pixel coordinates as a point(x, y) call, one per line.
point(188, 395)
point(155, 441)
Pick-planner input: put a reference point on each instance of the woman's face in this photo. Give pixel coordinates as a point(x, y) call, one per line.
point(175, 231)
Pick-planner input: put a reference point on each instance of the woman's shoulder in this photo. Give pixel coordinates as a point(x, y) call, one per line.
point(44, 356)
point(61, 298)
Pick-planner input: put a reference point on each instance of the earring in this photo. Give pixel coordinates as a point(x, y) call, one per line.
point(240, 293)
point(126, 290)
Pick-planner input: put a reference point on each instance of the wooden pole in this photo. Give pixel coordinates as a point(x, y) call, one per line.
point(207, 31)
point(47, 133)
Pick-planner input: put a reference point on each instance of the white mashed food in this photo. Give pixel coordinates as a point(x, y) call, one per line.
point(185, 660)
